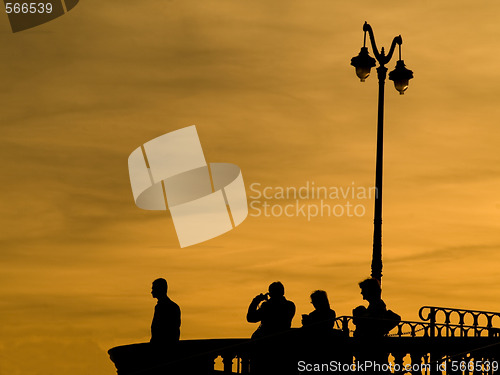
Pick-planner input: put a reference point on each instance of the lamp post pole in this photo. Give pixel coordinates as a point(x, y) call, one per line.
point(363, 63)
point(377, 216)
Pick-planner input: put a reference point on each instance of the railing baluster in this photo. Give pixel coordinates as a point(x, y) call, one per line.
point(398, 358)
point(245, 365)
point(416, 359)
point(433, 321)
point(427, 360)
point(435, 359)
point(461, 323)
point(227, 360)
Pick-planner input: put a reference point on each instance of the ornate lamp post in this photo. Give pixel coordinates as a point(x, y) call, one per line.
point(400, 75)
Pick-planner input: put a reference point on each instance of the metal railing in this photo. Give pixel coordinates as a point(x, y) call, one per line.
point(432, 313)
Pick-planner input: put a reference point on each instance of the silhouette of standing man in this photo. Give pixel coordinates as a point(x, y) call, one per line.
point(275, 314)
point(165, 328)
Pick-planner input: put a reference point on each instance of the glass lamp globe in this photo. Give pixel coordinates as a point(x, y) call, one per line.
point(401, 76)
point(363, 64)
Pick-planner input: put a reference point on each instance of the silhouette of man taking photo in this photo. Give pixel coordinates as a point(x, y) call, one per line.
point(165, 328)
point(272, 310)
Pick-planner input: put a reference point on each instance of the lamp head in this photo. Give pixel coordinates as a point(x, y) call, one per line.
point(401, 76)
point(363, 64)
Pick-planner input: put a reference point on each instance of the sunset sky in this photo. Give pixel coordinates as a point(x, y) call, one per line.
point(270, 88)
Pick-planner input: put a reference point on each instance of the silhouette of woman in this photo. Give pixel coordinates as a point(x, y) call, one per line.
point(323, 317)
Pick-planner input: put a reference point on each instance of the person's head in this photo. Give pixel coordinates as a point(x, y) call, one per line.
point(276, 290)
point(159, 288)
point(370, 289)
point(319, 299)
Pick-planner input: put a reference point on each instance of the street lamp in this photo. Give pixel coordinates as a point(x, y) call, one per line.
point(400, 75)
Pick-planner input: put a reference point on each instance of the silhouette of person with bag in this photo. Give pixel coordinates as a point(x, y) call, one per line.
point(376, 320)
point(372, 324)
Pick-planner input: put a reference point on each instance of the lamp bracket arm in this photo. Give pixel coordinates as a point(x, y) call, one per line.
point(368, 28)
point(381, 58)
point(397, 40)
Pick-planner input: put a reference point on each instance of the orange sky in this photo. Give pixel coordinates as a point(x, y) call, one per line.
point(270, 88)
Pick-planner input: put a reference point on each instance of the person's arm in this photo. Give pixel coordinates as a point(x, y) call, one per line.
point(254, 313)
point(291, 312)
point(178, 317)
point(331, 319)
point(154, 326)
